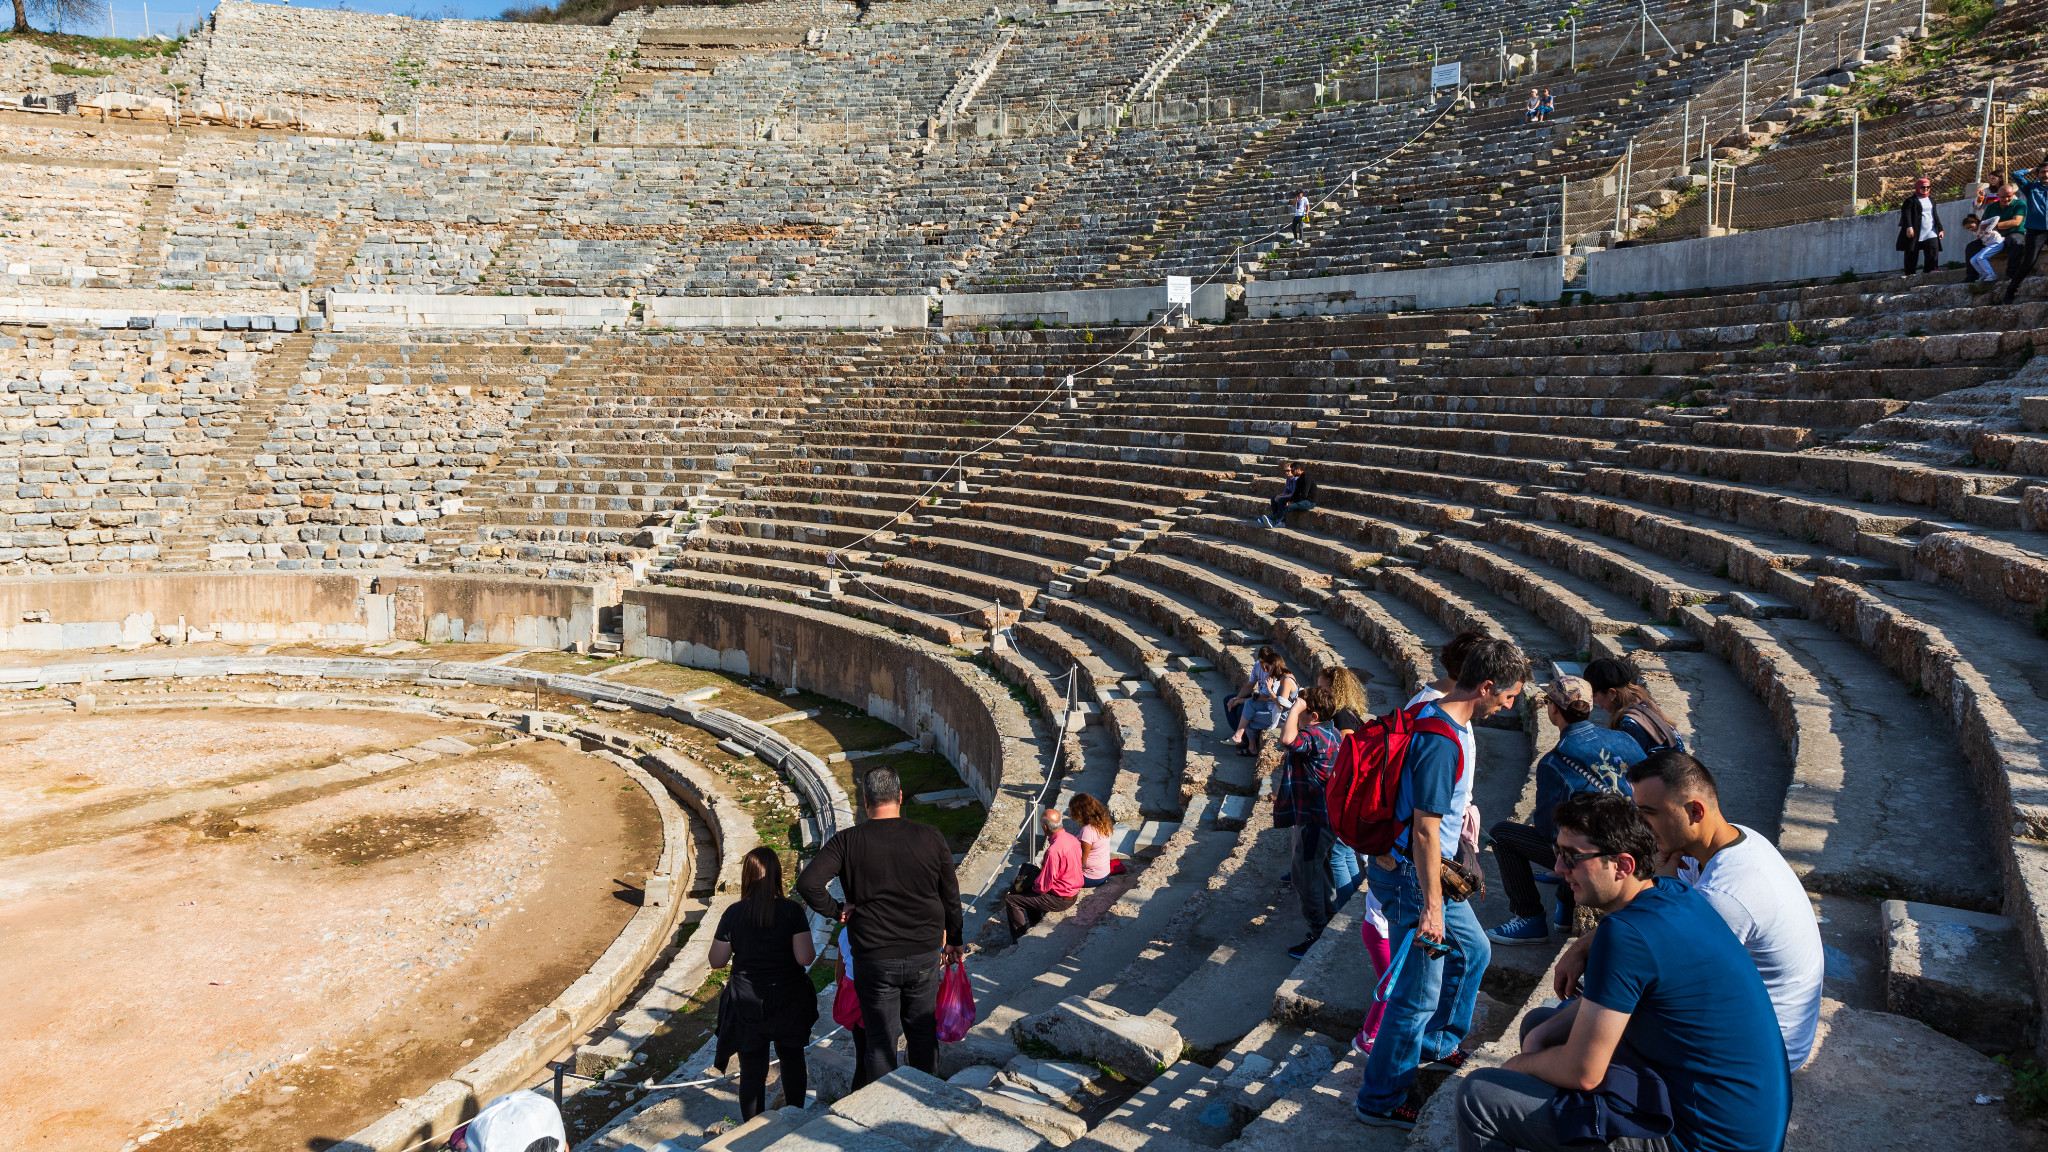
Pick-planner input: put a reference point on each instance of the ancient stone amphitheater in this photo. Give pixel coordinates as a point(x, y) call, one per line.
point(459, 468)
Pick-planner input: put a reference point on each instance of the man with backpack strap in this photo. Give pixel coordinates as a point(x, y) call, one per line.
point(1430, 1001)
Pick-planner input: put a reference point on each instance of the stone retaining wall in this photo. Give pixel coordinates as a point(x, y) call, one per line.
point(63, 613)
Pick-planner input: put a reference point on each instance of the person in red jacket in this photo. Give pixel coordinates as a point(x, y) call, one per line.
point(1057, 883)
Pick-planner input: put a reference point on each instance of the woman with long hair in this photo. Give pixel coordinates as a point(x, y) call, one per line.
point(769, 1000)
point(1347, 695)
point(1097, 830)
point(1617, 692)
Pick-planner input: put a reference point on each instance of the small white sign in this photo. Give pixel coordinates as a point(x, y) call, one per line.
point(1446, 75)
point(1180, 290)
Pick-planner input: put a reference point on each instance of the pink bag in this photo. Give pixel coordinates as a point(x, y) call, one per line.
point(846, 1006)
point(956, 1005)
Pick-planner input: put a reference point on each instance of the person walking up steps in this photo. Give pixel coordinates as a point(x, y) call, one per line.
point(1300, 214)
point(1429, 1008)
point(903, 906)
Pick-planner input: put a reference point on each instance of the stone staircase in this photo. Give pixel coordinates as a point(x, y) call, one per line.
point(236, 463)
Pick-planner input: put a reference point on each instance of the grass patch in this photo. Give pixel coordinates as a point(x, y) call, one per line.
point(95, 45)
point(929, 772)
point(60, 68)
point(568, 662)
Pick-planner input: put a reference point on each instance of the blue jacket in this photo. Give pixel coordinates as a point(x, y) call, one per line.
point(2035, 196)
point(1588, 758)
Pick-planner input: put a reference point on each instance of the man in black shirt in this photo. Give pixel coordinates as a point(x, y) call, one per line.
point(902, 903)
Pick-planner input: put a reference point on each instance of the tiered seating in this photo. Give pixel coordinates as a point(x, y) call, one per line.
point(107, 439)
point(1082, 59)
point(1067, 238)
point(374, 443)
point(633, 440)
point(343, 68)
point(70, 227)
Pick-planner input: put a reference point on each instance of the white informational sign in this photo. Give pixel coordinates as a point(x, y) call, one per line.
point(1446, 75)
point(1180, 290)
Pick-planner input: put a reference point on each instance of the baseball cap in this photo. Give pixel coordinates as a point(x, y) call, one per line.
point(1569, 691)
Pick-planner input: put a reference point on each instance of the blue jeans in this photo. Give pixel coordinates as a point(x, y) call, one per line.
point(1429, 1011)
point(1344, 870)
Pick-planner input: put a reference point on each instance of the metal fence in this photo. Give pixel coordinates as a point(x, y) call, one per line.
point(1682, 156)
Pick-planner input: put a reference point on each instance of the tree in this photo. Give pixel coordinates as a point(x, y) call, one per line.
point(77, 13)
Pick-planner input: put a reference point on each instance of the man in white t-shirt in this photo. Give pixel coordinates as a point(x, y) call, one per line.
point(1743, 876)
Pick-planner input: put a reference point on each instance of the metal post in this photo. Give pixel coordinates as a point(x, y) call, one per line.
point(1714, 29)
point(1575, 43)
point(1262, 91)
point(557, 1066)
point(1984, 140)
point(1375, 77)
point(1863, 42)
point(1564, 234)
point(1798, 59)
point(1685, 136)
point(1745, 95)
point(1855, 156)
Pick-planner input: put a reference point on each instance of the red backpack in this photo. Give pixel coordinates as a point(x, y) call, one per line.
point(1365, 783)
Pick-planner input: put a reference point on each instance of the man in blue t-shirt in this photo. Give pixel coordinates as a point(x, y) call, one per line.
point(1668, 990)
point(1429, 1008)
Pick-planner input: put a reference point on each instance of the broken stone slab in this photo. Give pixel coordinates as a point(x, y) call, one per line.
point(1059, 1126)
point(1761, 606)
point(446, 746)
point(980, 1076)
point(734, 748)
point(758, 1133)
point(831, 1133)
point(469, 711)
point(1658, 638)
point(379, 762)
point(1964, 973)
point(1232, 812)
point(416, 754)
point(1063, 1083)
point(1134, 1046)
point(1190, 664)
point(925, 1114)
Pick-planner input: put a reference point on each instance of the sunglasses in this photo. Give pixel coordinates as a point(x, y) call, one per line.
point(1566, 859)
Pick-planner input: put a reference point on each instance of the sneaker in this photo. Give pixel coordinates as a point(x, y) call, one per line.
point(1452, 1062)
point(1402, 1116)
point(1521, 930)
point(1563, 917)
point(1265, 522)
point(1301, 949)
point(1361, 1044)
point(1287, 877)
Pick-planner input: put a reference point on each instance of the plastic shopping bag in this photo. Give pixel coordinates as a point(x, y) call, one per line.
point(956, 1005)
point(846, 1006)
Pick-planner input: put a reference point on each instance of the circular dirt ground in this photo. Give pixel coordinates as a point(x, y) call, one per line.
point(203, 935)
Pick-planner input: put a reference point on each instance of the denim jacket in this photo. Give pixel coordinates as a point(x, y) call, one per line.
point(1588, 758)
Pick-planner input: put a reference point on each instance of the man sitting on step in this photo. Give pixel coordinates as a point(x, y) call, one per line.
point(1742, 875)
point(1673, 1041)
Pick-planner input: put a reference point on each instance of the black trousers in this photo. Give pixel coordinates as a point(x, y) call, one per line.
point(898, 998)
point(1298, 220)
point(1517, 850)
point(754, 1075)
point(2020, 257)
point(1928, 250)
point(1025, 909)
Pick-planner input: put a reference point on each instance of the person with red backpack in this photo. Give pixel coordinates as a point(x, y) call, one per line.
point(1426, 757)
point(1300, 803)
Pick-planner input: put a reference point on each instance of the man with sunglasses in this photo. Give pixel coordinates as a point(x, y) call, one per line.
point(1920, 230)
point(1668, 991)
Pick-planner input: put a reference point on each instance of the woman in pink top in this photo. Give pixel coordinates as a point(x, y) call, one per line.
point(1096, 832)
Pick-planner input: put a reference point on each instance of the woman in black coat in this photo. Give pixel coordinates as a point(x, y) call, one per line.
point(769, 999)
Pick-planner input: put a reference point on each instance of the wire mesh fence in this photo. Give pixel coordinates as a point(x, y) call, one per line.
point(1682, 156)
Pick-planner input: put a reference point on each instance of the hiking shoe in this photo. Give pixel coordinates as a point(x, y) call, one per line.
point(1361, 1043)
point(1521, 930)
point(1452, 1061)
point(1301, 949)
point(1402, 1116)
point(1562, 917)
